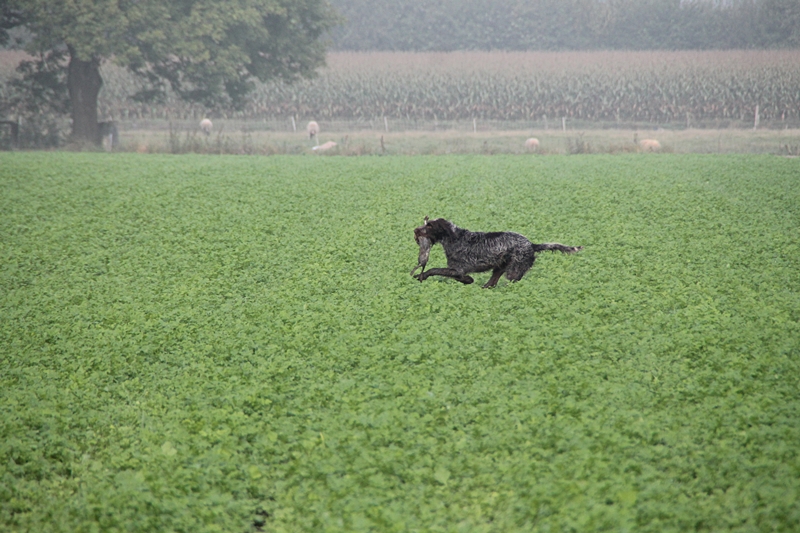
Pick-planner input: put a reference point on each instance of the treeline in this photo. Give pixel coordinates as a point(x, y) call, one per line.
point(446, 25)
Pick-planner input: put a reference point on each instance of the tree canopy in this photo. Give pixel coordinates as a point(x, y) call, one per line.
point(207, 51)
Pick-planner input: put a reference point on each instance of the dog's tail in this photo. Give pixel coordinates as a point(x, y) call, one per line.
point(555, 247)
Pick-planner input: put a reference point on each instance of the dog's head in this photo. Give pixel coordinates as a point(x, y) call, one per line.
point(434, 230)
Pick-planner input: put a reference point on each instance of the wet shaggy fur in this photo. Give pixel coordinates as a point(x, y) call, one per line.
point(467, 251)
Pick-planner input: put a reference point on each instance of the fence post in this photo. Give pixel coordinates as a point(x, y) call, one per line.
point(755, 124)
point(294, 125)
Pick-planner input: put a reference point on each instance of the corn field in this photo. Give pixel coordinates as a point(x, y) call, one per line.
point(679, 88)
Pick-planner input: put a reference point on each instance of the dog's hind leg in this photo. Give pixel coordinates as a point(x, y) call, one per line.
point(446, 272)
point(496, 273)
point(518, 269)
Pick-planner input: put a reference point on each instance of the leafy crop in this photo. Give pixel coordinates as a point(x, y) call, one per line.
point(654, 87)
point(680, 88)
point(719, 88)
point(234, 344)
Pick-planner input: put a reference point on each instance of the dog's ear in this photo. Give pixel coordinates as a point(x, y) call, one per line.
point(439, 229)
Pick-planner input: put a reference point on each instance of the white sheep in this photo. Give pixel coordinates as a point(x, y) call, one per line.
point(312, 129)
point(532, 144)
point(205, 126)
point(326, 146)
point(650, 145)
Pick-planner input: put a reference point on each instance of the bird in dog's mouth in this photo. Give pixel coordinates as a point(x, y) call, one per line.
point(425, 245)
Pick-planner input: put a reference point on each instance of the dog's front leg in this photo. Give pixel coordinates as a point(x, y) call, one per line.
point(446, 272)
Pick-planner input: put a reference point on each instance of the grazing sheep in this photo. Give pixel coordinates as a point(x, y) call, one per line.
point(322, 147)
point(532, 144)
point(650, 145)
point(205, 126)
point(646, 145)
point(312, 129)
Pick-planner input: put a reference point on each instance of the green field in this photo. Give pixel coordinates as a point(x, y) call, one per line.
point(234, 344)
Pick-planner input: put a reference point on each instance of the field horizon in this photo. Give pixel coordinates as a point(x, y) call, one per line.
point(464, 138)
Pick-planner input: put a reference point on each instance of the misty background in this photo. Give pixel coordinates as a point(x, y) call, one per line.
point(443, 65)
point(447, 25)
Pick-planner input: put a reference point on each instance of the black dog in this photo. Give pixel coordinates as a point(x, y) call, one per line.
point(473, 251)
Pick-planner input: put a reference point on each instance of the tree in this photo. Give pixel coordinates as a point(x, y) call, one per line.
point(779, 22)
point(207, 51)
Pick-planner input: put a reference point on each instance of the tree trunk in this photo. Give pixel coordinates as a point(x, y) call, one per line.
point(84, 82)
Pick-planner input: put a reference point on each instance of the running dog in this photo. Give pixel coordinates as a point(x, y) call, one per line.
point(467, 251)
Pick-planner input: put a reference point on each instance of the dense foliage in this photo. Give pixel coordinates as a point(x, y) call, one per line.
point(227, 344)
point(204, 51)
point(443, 25)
